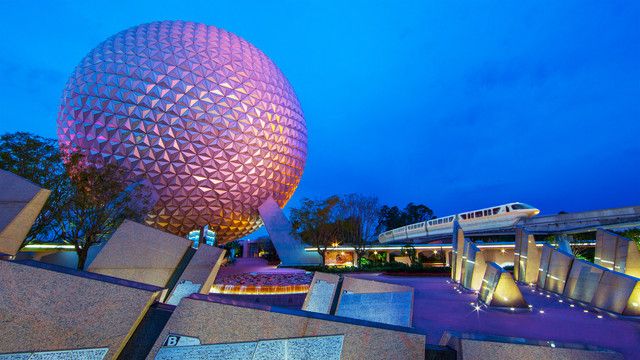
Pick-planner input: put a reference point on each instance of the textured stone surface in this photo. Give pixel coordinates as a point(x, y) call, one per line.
point(526, 257)
point(215, 323)
point(362, 286)
point(457, 242)
point(240, 351)
point(473, 266)
point(397, 315)
point(183, 289)
point(583, 280)
point(45, 310)
point(140, 253)
point(618, 293)
point(617, 253)
point(545, 257)
point(82, 354)
point(319, 347)
point(387, 308)
point(201, 270)
point(20, 204)
point(499, 289)
point(476, 348)
point(558, 271)
point(203, 115)
point(321, 292)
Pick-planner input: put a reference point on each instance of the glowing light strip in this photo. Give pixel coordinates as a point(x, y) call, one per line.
point(49, 247)
point(442, 246)
point(259, 289)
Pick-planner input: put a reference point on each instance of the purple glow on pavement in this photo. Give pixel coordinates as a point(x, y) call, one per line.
point(439, 307)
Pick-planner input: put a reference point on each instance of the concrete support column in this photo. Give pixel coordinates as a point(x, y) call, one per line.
point(388, 257)
point(355, 259)
point(245, 249)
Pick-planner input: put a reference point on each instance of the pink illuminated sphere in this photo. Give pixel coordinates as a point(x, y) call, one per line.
point(202, 114)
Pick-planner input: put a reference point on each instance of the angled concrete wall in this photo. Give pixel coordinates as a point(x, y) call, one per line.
point(20, 205)
point(543, 270)
point(618, 293)
point(526, 257)
point(559, 267)
point(322, 291)
point(199, 274)
point(375, 301)
point(473, 266)
point(499, 289)
point(141, 253)
point(617, 253)
point(483, 347)
point(49, 308)
point(212, 322)
point(457, 244)
point(290, 250)
point(583, 280)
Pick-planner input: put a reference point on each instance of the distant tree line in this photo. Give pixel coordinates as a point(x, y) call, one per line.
point(351, 219)
point(87, 202)
point(394, 217)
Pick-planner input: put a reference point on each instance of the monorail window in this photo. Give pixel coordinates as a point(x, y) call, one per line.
point(520, 206)
point(507, 208)
point(478, 213)
point(496, 211)
point(464, 216)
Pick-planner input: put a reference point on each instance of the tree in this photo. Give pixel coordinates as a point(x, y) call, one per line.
point(87, 202)
point(390, 218)
point(315, 223)
point(38, 160)
point(415, 213)
point(94, 202)
point(393, 217)
point(32, 157)
point(359, 217)
point(409, 251)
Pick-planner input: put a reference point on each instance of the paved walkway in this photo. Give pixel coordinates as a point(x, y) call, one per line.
point(439, 307)
point(254, 265)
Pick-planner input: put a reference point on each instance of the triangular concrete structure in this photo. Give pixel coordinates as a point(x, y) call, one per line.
point(290, 250)
point(499, 289)
point(457, 244)
point(141, 253)
point(526, 257)
point(20, 204)
point(616, 252)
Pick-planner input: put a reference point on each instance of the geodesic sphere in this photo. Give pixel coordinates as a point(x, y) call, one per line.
point(205, 116)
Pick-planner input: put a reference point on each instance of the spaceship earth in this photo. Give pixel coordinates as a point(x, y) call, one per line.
point(203, 115)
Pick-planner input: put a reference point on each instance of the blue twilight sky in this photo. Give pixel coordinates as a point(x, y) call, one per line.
point(454, 104)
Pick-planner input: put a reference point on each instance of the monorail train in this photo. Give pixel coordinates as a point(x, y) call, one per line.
point(484, 219)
